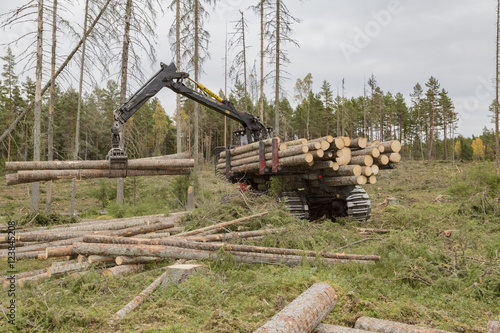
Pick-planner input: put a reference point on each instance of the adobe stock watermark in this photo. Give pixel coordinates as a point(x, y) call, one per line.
point(363, 37)
point(484, 91)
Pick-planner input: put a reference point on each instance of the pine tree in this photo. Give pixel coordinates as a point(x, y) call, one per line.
point(417, 105)
point(327, 95)
point(432, 102)
point(10, 98)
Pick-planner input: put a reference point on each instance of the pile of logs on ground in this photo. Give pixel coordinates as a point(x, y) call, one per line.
point(132, 242)
point(332, 161)
point(121, 247)
point(306, 312)
point(35, 171)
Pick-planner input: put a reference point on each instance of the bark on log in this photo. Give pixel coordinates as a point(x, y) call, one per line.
point(295, 142)
point(231, 235)
point(365, 160)
point(123, 270)
point(60, 270)
point(247, 148)
point(385, 326)
point(139, 298)
point(372, 151)
point(318, 165)
point(493, 327)
point(393, 157)
point(28, 255)
point(381, 160)
point(183, 253)
point(124, 260)
point(327, 328)
point(97, 259)
point(305, 312)
point(327, 138)
point(346, 180)
point(42, 246)
point(139, 229)
point(359, 143)
point(44, 175)
point(297, 150)
point(185, 155)
point(220, 225)
point(35, 278)
point(189, 244)
point(141, 164)
point(347, 141)
point(63, 263)
point(393, 146)
point(5, 279)
point(346, 170)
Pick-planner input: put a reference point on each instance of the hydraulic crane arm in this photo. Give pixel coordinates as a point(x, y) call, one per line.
point(168, 77)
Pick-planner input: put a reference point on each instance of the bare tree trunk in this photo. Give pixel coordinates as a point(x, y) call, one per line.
point(178, 64)
point(497, 149)
point(35, 187)
point(123, 91)
point(277, 82)
point(262, 61)
point(244, 59)
point(50, 130)
point(225, 89)
point(78, 111)
point(431, 132)
point(196, 75)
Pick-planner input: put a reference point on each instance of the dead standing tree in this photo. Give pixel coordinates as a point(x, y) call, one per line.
point(239, 65)
point(278, 29)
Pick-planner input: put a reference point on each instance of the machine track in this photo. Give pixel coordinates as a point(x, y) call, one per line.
point(358, 204)
point(296, 204)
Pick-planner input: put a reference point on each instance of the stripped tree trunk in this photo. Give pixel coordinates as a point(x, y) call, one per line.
point(35, 187)
point(50, 129)
point(305, 312)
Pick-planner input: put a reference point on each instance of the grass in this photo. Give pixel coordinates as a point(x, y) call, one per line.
point(440, 264)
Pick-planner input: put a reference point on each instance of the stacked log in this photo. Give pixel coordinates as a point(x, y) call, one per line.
point(35, 171)
point(330, 161)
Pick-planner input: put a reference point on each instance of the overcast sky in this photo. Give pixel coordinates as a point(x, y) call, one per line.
point(400, 42)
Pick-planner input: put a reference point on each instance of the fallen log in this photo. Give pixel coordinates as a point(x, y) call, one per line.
point(8, 278)
point(60, 270)
point(124, 260)
point(34, 278)
point(493, 327)
point(385, 326)
point(220, 225)
point(123, 270)
point(230, 235)
point(327, 328)
point(139, 298)
point(97, 259)
point(189, 244)
point(144, 229)
point(183, 253)
point(305, 312)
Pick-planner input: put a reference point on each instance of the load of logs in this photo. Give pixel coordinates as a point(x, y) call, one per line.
point(334, 161)
point(35, 171)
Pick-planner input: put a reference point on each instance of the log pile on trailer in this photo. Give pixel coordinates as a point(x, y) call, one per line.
point(333, 161)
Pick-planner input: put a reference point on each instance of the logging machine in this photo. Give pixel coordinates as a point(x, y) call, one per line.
point(304, 201)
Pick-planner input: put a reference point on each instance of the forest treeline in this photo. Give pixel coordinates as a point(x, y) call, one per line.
point(425, 127)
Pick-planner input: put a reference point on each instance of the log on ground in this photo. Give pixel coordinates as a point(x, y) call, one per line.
point(385, 326)
point(305, 312)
